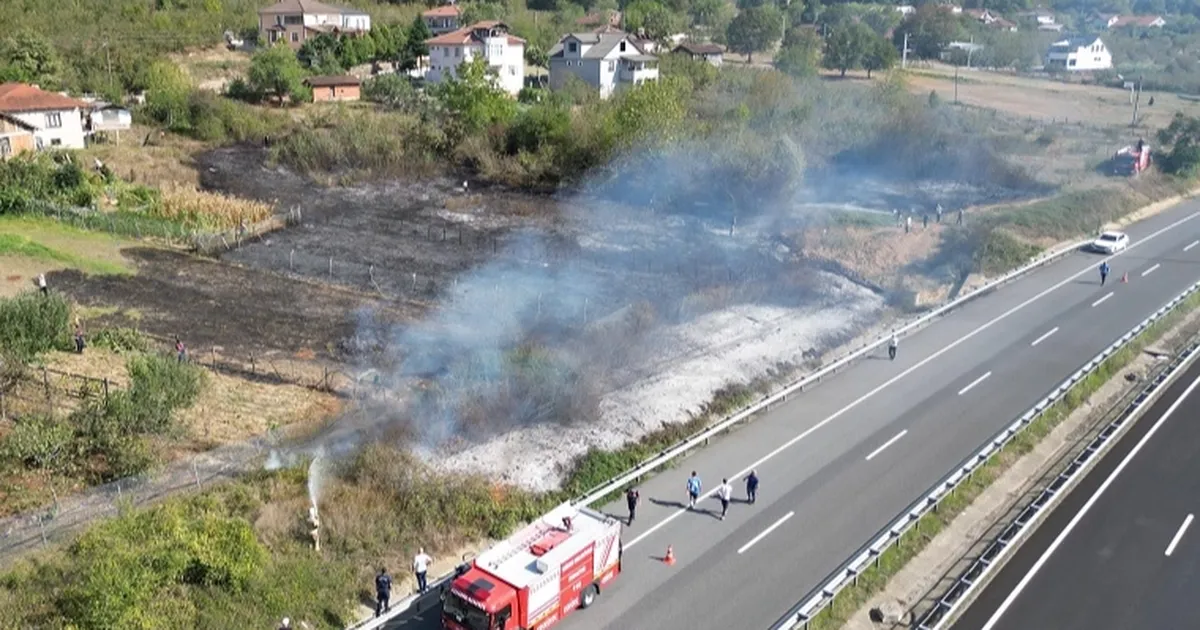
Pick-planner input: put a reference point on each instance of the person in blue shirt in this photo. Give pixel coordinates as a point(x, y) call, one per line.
point(383, 592)
point(693, 487)
point(1103, 272)
point(752, 486)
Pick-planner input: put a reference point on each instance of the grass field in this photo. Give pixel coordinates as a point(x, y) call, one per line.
point(33, 245)
point(1046, 99)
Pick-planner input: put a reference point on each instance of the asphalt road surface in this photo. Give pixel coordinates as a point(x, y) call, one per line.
point(1122, 552)
point(839, 462)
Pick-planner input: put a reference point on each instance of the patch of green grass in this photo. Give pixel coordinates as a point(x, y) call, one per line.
point(45, 239)
point(891, 561)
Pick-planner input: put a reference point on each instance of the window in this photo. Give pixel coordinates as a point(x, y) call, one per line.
point(457, 52)
point(5, 147)
point(295, 36)
point(53, 120)
point(612, 65)
point(572, 47)
point(622, 46)
point(293, 20)
point(54, 142)
point(37, 143)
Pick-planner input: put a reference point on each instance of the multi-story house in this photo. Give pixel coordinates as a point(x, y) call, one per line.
point(443, 19)
point(605, 61)
point(56, 120)
point(1078, 54)
point(296, 21)
point(504, 52)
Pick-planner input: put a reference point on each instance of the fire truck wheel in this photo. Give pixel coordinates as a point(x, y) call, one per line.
point(588, 596)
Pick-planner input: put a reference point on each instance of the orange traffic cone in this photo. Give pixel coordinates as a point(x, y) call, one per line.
point(670, 557)
point(1125, 277)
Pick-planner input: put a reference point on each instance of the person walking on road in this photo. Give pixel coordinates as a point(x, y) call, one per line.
point(752, 487)
point(383, 592)
point(892, 345)
point(420, 567)
point(1104, 269)
point(724, 493)
point(693, 488)
point(960, 218)
point(939, 213)
point(631, 499)
point(908, 224)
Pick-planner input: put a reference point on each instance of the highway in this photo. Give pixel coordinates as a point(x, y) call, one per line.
point(840, 461)
point(1122, 550)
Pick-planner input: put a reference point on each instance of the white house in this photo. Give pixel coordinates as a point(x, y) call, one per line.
point(505, 54)
point(1078, 54)
point(1137, 21)
point(605, 61)
point(57, 119)
point(295, 21)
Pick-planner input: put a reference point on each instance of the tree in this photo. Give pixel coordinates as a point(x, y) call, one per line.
point(320, 54)
point(711, 13)
point(880, 55)
point(801, 53)
point(167, 89)
point(755, 30)
point(414, 44)
point(882, 20)
point(929, 29)
point(473, 99)
point(846, 46)
point(655, 19)
point(1183, 137)
point(275, 72)
point(29, 58)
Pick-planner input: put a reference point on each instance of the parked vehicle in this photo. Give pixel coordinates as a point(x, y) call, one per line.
point(1110, 242)
point(1132, 159)
point(538, 575)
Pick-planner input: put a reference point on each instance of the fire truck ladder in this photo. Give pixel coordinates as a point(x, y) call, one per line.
point(524, 545)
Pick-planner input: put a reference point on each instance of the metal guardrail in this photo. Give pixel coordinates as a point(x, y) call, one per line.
point(958, 594)
point(687, 444)
point(817, 600)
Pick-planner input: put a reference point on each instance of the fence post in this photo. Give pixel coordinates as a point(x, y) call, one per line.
point(253, 371)
point(106, 391)
point(196, 473)
point(331, 267)
point(3, 414)
point(291, 260)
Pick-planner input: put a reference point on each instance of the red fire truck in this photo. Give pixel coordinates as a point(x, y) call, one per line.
point(537, 576)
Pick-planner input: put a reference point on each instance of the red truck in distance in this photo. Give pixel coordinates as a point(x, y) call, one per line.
point(538, 575)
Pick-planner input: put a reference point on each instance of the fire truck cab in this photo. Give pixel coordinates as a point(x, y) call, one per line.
point(538, 575)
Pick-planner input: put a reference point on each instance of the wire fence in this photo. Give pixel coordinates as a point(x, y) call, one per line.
point(47, 390)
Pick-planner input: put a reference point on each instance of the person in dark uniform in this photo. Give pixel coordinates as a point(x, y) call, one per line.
point(752, 486)
point(632, 496)
point(383, 592)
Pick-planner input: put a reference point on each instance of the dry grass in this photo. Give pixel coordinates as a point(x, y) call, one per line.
point(1046, 99)
point(210, 208)
point(230, 409)
point(166, 160)
point(212, 68)
point(46, 245)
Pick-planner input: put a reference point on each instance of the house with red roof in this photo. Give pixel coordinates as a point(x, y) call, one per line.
point(504, 52)
point(55, 120)
point(443, 19)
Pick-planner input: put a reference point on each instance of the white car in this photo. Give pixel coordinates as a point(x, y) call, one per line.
point(1110, 242)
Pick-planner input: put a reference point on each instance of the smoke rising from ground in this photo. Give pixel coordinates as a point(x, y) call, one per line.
point(561, 316)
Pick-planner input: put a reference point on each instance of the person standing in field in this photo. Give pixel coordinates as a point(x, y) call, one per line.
point(180, 350)
point(725, 494)
point(420, 567)
point(693, 489)
point(42, 284)
point(79, 343)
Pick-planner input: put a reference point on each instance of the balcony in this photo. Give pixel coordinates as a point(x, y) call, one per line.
point(637, 69)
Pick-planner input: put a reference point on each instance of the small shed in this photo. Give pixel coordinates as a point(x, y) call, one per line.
point(335, 88)
point(712, 53)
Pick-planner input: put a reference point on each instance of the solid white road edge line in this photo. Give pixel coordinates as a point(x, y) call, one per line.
point(1194, 243)
point(887, 444)
point(861, 399)
point(764, 532)
point(973, 384)
point(1044, 337)
point(1179, 534)
point(1037, 566)
point(1101, 300)
point(1151, 270)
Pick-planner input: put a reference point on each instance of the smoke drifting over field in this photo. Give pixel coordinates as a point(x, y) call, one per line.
point(561, 316)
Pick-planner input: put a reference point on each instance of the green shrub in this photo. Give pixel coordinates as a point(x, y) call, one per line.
point(158, 386)
point(39, 442)
point(120, 340)
point(31, 323)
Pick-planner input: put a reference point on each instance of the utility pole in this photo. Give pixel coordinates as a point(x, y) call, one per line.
point(1137, 99)
point(904, 53)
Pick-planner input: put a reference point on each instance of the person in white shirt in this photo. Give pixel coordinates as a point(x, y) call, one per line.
point(42, 284)
point(420, 567)
point(725, 493)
